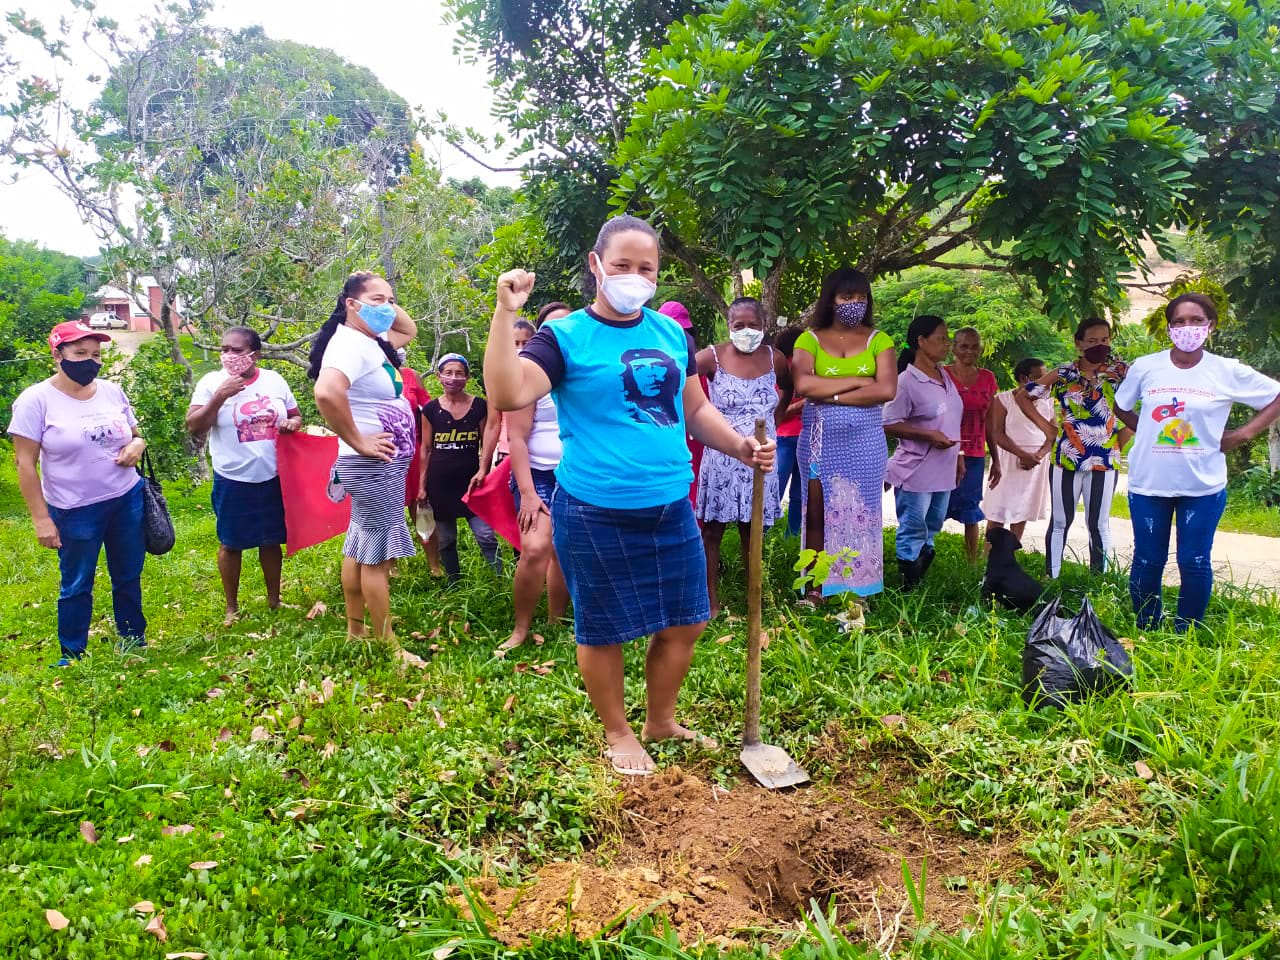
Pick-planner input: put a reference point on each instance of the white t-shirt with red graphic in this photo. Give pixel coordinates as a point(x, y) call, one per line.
point(1177, 451)
point(242, 443)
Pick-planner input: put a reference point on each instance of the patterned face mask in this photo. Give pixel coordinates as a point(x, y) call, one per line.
point(237, 364)
point(851, 314)
point(747, 340)
point(1190, 337)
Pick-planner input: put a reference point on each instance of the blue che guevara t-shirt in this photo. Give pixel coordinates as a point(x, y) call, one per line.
point(618, 388)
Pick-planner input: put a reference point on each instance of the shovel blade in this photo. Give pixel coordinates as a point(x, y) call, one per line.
point(772, 766)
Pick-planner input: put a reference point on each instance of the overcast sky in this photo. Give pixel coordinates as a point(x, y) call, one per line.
point(407, 45)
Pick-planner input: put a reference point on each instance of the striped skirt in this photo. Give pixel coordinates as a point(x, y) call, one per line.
point(378, 530)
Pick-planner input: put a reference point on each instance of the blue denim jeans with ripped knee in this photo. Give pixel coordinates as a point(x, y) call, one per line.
point(1153, 518)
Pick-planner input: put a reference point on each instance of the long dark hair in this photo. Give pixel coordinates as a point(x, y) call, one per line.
point(612, 226)
point(351, 290)
point(921, 326)
point(845, 280)
point(786, 342)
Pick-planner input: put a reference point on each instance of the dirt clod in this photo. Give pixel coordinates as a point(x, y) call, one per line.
point(719, 862)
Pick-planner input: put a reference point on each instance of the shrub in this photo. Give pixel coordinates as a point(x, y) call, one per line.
point(160, 391)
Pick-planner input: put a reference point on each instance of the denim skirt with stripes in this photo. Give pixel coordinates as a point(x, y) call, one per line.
point(631, 572)
point(378, 529)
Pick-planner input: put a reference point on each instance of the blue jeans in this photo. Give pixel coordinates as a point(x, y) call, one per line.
point(1152, 519)
point(920, 517)
point(788, 467)
point(117, 525)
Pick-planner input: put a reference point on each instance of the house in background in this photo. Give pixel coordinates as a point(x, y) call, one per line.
point(140, 312)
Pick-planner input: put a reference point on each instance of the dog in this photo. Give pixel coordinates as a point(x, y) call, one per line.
point(1005, 580)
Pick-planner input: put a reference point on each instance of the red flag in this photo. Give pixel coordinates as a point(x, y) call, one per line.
point(493, 503)
point(305, 462)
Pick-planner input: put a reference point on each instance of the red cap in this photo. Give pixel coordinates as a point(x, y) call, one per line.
point(74, 330)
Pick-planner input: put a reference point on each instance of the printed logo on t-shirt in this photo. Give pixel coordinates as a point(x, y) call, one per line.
point(109, 436)
point(455, 439)
point(650, 383)
point(397, 381)
point(398, 422)
point(255, 419)
point(1174, 431)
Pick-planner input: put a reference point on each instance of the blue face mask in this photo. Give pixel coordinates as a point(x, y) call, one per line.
point(378, 317)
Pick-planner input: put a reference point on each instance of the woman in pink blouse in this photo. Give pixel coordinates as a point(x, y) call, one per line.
point(977, 387)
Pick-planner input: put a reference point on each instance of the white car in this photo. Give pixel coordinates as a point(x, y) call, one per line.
point(107, 321)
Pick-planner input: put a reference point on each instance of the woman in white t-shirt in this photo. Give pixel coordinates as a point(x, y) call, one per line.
point(535, 453)
point(1178, 401)
point(243, 409)
point(360, 394)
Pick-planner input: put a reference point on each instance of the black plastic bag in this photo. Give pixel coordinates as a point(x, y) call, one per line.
point(157, 527)
point(1068, 658)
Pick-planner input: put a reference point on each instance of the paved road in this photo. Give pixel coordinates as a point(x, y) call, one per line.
point(1243, 558)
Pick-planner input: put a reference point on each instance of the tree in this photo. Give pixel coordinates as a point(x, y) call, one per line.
point(38, 289)
point(1053, 138)
point(567, 74)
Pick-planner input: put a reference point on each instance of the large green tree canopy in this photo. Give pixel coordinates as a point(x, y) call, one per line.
point(893, 133)
point(566, 74)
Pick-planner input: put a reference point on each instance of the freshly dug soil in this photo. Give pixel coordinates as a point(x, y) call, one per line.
point(719, 863)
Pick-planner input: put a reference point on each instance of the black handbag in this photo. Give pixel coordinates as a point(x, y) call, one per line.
point(157, 526)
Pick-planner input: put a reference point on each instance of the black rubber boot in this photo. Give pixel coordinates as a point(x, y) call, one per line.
point(912, 573)
point(926, 560)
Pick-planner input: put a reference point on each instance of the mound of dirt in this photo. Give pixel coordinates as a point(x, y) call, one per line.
point(717, 863)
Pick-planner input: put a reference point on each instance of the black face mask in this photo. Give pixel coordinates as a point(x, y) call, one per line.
point(83, 372)
point(1098, 354)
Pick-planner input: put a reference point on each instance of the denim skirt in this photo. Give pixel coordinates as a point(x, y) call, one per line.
point(966, 499)
point(630, 572)
point(250, 515)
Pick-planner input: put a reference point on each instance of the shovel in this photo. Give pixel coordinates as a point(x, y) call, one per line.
point(768, 764)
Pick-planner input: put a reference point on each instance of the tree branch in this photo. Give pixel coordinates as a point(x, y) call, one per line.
point(704, 284)
point(474, 159)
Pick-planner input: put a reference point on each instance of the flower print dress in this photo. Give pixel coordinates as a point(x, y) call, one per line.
point(724, 482)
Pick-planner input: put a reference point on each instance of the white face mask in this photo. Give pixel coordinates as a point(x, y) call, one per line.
point(626, 292)
point(747, 340)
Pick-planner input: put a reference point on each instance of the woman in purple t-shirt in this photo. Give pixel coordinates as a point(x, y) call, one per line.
point(77, 442)
point(926, 466)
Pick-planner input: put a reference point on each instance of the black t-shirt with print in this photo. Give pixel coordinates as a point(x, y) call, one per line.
point(455, 456)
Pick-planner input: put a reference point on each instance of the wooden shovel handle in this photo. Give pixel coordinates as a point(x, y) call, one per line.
point(755, 571)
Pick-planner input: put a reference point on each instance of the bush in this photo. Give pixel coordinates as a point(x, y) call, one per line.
point(160, 391)
point(21, 365)
point(1259, 485)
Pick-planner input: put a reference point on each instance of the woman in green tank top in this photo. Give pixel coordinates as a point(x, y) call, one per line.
point(847, 371)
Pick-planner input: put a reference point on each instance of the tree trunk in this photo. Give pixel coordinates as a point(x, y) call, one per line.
point(193, 445)
point(771, 291)
point(1273, 447)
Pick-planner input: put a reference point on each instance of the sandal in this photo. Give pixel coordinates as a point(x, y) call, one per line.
point(614, 756)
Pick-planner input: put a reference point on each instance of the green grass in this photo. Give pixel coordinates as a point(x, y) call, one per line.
point(1241, 516)
point(348, 850)
point(201, 362)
